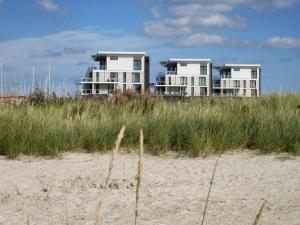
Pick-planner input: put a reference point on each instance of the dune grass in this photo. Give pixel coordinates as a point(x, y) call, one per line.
point(101, 204)
point(194, 126)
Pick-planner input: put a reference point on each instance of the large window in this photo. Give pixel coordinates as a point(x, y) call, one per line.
point(169, 78)
point(137, 88)
point(203, 69)
point(202, 81)
point(102, 65)
point(244, 84)
point(183, 80)
point(252, 83)
point(97, 76)
point(253, 74)
point(124, 77)
point(136, 77)
point(236, 83)
point(137, 64)
point(254, 93)
point(192, 81)
point(203, 91)
point(192, 91)
point(113, 77)
point(183, 64)
point(224, 83)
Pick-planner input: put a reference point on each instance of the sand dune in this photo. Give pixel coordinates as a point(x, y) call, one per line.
point(173, 190)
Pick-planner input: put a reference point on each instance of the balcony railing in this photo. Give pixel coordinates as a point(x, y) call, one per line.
point(101, 67)
point(86, 79)
point(171, 72)
point(91, 80)
point(96, 91)
point(86, 91)
point(160, 83)
point(113, 80)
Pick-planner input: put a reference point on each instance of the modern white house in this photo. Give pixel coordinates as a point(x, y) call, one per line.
point(185, 77)
point(238, 80)
point(117, 72)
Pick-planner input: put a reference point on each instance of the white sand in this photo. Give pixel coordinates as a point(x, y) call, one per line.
point(173, 190)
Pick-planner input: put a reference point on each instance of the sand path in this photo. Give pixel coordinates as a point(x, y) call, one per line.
point(173, 190)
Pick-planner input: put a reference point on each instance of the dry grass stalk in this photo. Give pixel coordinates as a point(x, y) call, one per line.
point(67, 214)
point(111, 165)
point(29, 220)
point(139, 177)
point(209, 190)
point(258, 216)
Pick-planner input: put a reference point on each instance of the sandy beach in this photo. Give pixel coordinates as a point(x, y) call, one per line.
point(173, 190)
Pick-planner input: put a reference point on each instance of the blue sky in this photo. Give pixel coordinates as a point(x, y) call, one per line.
point(67, 32)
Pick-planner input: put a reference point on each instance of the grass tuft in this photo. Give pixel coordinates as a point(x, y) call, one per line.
point(198, 126)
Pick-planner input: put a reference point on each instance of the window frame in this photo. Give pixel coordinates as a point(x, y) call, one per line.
point(137, 64)
point(183, 64)
point(253, 74)
point(114, 58)
point(201, 83)
point(115, 78)
point(205, 92)
point(134, 80)
point(205, 71)
point(253, 82)
point(124, 77)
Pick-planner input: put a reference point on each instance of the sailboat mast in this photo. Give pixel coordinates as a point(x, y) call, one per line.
point(1, 77)
point(33, 77)
point(49, 77)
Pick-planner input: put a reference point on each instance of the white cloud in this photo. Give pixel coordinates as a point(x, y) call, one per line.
point(258, 4)
point(69, 51)
point(50, 5)
point(283, 42)
point(159, 29)
point(219, 20)
point(194, 17)
point(191, 17)
point(201, 39)
point(194, 9)
point(154, 10)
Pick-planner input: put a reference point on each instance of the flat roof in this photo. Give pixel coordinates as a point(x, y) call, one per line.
point(236, 65)
point(241, 65)
point(101, 54)
point(189, 60)
point(119, 53)
point(176, 60)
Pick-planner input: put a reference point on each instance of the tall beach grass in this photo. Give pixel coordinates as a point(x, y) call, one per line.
point(194, 126)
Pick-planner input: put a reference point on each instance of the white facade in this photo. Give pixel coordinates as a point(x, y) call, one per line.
point(185, 77)
point(116, 72)
point(238, 80)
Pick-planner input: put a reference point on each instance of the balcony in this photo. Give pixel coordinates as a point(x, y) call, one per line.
point(160, 83)
point(86, 91)
point(171, 72)
point(97, 91)
point(97, 67)
point(86, 80)
point(102, 80)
